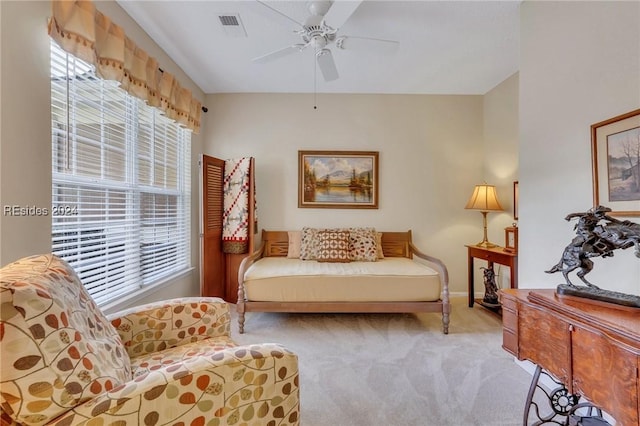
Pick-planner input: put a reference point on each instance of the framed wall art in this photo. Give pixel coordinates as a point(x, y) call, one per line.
point(515, 200)
point(615, 154)
point(338, 179)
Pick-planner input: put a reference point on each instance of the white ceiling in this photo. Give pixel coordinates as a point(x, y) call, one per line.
point(446, 47)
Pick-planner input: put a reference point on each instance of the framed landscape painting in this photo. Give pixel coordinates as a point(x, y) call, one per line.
point(615, 153)
point(338, 179)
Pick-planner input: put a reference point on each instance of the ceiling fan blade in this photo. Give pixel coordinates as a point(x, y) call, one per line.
point(280, 53)
point(285, 19)
point(367, 43)
point(340, 12)
point(327, 65)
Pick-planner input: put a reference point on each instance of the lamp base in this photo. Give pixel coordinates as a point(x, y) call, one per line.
point(486, 244)
point(485, 241)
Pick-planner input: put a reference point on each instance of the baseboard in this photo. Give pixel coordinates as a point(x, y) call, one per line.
point(465, 294)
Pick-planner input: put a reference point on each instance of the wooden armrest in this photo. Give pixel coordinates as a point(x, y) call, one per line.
point(442, 269)
point(244, 265)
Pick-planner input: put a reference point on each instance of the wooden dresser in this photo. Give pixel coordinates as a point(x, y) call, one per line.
point(593, 348)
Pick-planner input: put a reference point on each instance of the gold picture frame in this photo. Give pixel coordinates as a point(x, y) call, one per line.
point(338, 179)
point(615, 155)
point(516, 195)
point(511, 239)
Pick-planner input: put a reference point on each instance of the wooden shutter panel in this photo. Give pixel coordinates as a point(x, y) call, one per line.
point(213, 261)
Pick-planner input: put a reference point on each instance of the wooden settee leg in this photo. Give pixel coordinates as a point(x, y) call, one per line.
point(445, 323)
point(240, 308)
point(241, 322)
point(244, 265)
point(445, 318)
point(241, 311)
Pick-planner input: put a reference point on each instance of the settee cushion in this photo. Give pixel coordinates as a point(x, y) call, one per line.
point(278, 279)
point(51, 328)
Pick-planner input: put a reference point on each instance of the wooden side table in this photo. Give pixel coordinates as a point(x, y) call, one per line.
point(491, 256)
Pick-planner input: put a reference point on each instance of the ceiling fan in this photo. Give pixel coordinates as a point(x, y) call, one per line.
point(320, 31)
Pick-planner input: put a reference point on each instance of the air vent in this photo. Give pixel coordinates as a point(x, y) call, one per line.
point(229, 20)
point(232, 25)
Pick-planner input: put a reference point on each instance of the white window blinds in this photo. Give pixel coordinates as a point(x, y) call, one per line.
point(121, 183)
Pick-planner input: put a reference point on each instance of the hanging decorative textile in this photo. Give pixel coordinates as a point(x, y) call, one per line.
point(235, 215)
point(88, 34)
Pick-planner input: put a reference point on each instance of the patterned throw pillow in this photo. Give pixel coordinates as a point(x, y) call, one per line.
point(295, 242)
point(333, 246)
point(308, 244)
point(363, 244)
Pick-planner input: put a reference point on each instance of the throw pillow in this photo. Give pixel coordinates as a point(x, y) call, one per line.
point(295, 241)
point(308, 244)
point(333, 246)
point(363, 244)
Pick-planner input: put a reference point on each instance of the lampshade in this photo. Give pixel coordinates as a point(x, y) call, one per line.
point(484, 198)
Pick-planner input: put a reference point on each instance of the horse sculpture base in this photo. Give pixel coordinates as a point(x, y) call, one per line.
point(599, 294)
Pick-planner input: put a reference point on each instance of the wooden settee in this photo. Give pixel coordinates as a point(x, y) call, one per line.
point(394, 245)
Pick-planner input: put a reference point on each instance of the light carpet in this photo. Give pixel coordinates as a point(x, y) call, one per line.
point(398, 369)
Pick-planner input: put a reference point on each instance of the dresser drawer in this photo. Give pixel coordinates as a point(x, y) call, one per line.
point(497, 256)
point(508, 303)
point(509, 326)
point(510, 342)
point(509, 320)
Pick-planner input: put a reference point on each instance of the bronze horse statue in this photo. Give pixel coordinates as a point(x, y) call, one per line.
point(598, 235)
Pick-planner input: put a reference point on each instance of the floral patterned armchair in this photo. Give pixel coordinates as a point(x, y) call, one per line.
point(64, 363)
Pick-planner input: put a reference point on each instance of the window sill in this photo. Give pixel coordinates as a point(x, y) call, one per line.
point(130, 299)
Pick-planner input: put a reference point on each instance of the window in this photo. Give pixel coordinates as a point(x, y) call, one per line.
point(121, 183)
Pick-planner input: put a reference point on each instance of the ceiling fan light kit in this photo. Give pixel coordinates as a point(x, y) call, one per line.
point(316, 33)
point(319, 8)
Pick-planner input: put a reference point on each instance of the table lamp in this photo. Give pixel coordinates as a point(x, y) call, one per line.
point(484, 198)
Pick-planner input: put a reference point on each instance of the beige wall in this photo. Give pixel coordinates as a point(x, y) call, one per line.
point(580, 64)
point(500, 109)
point(500, 159)
point(431, 156)
point(25, 128)
point(25, 150)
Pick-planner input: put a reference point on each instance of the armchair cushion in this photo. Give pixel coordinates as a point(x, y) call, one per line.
point(58, 349)
point(245, 385)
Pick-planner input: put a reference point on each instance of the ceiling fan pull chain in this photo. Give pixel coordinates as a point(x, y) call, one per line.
point(315, 80)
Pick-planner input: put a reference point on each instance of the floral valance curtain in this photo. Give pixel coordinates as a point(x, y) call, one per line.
point(80, 29)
